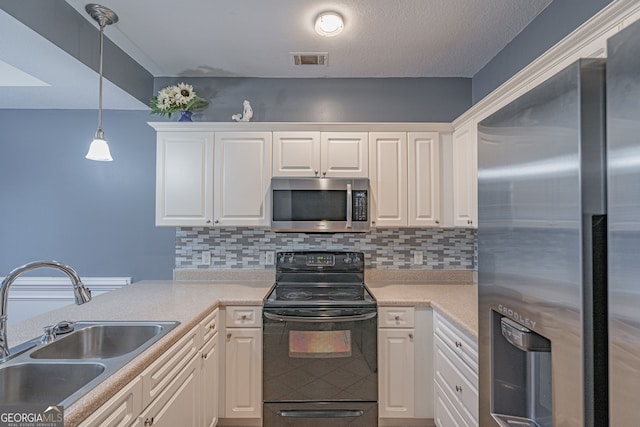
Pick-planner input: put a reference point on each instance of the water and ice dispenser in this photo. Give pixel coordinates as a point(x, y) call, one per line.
point(521, 375)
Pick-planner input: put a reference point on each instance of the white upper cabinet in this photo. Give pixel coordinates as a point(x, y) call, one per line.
point(404, 170)
point(344, 154)
point(465, 171)
point(424, 179)
point(296, 154)
point(242, 179)
point(184, 179)
point(388, 178)
point(321, 154)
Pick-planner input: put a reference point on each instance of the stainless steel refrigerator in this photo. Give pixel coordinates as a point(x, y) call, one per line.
point(623, 165)
point(542, 250)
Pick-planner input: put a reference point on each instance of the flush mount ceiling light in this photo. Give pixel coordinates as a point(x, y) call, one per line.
point(329, 24)
point(99, 150)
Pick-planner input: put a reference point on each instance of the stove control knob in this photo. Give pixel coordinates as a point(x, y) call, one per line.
point(356, 259)
point(347, 260)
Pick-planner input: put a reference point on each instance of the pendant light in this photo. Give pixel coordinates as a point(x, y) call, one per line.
point(99, 150)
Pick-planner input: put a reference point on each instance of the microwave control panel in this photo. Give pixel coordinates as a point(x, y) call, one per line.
point(360, 206)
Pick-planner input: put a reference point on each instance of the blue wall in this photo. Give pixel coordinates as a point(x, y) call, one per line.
point(332, 100)
point(98, 217)
point(554, 23)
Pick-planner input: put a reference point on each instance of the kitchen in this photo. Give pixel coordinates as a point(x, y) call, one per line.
point(123, 243)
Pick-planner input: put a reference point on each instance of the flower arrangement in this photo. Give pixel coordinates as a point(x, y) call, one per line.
point(173, 99)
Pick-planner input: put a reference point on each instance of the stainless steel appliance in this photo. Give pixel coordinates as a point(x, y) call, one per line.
point(320, 205)
point(320, 343)
point(623, 166)
point(542, 255)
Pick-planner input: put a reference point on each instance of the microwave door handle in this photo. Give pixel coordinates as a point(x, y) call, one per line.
point(349, 207)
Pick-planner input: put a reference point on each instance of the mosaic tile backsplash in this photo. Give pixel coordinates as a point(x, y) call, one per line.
point(236, 247)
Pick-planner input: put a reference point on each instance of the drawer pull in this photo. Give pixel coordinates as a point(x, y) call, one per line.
point(244, 317)
point(212, 326)
point(411, 337)
point(229, 336)
point(458, 344)
point(397, 318)
point(148, 421)
point(458, 389)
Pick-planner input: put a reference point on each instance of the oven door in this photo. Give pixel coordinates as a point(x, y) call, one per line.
point(320, 355)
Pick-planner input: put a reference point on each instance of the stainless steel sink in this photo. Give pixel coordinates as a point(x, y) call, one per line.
point(61, 372)
point(101, 341)
point(45, 383)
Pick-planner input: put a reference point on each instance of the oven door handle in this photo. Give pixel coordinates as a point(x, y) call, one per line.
point(321, 319)
point(315, 413)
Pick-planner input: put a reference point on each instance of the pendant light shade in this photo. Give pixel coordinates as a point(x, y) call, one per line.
point(99, 149)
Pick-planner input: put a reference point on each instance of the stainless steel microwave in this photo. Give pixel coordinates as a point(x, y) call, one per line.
point(320, 205)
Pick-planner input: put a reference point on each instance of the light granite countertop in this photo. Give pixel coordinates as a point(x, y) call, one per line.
point(189, 301)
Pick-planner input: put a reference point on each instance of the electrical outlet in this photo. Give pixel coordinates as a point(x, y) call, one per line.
point(206, 258)
point(417, 257)
point(269, 258)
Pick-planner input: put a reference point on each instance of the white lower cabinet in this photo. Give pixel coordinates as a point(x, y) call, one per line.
point(121, 410)
point(243, 362)
point(178, 403)
point(209, 365)
point(178, 389)
point(456, 375)
point(405, 369)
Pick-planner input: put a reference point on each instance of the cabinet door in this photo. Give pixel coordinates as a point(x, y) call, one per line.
point(243, 176)
point(465, 186)
point(184, 179)
point(424, 179)
point(296, 154)
point(388, 178)
point(243, 367)
point(121, 410)
point(396, 373)
point(209, 382)
point(344, 154)
point(179, 403)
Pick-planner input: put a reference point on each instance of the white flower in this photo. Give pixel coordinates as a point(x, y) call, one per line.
point(184, 93)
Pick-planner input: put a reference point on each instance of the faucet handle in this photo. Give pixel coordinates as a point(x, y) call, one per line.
point(49, 334)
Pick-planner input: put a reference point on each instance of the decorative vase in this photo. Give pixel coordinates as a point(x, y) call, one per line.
point(185, 116)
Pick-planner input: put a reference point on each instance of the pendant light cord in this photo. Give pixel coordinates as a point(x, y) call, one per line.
point(100, 133)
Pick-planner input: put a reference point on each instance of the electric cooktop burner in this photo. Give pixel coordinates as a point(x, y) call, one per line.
point(311, 278)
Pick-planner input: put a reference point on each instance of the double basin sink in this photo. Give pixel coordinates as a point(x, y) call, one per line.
point(61, 372)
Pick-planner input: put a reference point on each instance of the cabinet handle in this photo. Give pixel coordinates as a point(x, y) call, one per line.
point(437, 222)
point(148, 421)
point(216, 222)
point(458, 344)
point(229, 336)
point(458, 389)
point(411, 337)
point(208, 221)
point(204, 356)
point(244, 317)
point(397, 318)
point(316, 172)
point(324, 173)
point(212, 326)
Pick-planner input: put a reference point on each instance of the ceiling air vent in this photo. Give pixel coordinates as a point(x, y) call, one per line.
point(313, 58)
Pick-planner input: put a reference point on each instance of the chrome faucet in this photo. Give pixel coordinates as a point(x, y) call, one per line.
point(81, 293)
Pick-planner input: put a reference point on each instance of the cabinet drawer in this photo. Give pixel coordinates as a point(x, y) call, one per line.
point(458, 342)
point(396, 317)
point(121, 410)
point(456, 379)
point(161, 372)
point(243, 316)
point(209, 326)
point(446, 414)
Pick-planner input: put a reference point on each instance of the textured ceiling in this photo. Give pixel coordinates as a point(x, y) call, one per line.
point(253, 38)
